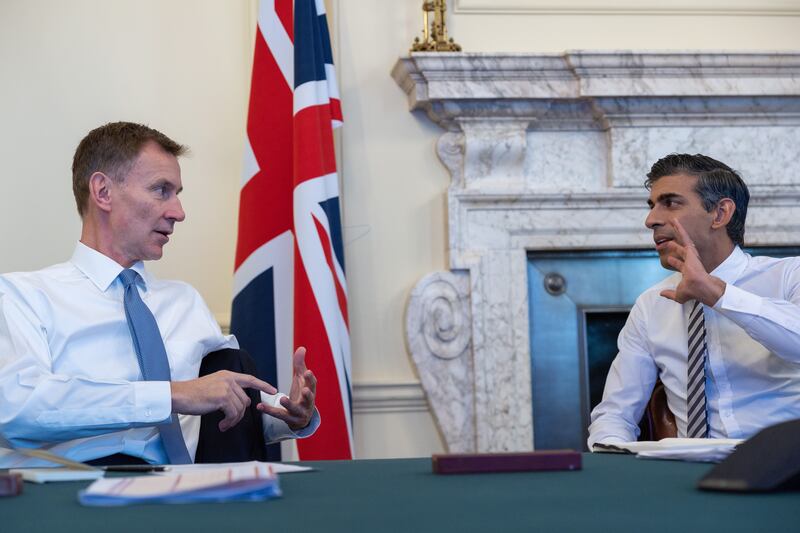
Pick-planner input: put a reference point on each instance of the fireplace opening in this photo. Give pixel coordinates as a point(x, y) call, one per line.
point(601, 328)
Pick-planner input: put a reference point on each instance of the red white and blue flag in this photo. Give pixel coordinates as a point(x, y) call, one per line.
point(289, 284)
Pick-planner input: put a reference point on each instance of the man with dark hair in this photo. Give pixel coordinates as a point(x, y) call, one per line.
point(722, 333)
point(98, 358)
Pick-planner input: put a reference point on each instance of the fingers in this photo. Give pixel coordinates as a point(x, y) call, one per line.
point(302, 375)
point(221, 391)
point(676, 255)
point(241, 397)
point(289, 409)
point(296, 412)
point(676, 263)
point(685, 240)
point(675, 250)
point(233, 399)
point(233, 408)
point(669, 293)
point(310, 380)
point(296, 418)
point(252, 382)
point(676, 296)
point(301, 406)
point(299, 361)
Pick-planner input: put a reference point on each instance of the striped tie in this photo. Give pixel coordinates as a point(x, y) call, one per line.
point(697, 426)
point(153, 360)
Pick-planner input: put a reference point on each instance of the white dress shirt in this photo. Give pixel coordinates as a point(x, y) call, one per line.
point(69, 377)
point(753, 364)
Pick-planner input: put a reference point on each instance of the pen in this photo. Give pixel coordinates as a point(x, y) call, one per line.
point(135, 468)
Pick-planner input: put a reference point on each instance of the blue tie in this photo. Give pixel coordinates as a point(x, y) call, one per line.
point(152, 360)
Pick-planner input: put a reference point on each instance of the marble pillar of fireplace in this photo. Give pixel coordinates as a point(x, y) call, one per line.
point(549, 152)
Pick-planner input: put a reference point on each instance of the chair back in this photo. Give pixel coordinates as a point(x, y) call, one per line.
point(658, 421)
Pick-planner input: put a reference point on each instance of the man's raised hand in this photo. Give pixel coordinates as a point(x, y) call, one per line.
point(696, 283)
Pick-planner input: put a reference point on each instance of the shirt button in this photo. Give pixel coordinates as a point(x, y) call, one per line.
point(148, 412)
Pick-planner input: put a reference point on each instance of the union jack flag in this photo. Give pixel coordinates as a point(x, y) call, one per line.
point(289, 283)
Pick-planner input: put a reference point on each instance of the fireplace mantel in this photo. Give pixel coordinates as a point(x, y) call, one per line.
point(549, 152)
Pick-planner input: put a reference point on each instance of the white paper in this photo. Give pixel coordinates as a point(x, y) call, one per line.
point(45, 475)
point(683, 449)
point(702, 455)
point(278, 468)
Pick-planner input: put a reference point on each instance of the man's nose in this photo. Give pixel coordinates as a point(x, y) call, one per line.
point(653, 220)
point(176, 211)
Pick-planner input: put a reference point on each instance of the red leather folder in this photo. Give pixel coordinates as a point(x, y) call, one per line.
point(473, 463)
point(10, 484)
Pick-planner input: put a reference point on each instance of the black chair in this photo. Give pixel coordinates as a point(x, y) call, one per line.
point(244, 441)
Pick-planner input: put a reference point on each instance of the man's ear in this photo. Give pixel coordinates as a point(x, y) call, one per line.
point(723, 212)
point(100, 191)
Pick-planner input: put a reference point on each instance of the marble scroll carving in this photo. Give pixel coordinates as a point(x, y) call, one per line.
point(438, 334)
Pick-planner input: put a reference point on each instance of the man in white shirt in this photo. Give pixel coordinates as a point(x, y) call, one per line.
point(70, 380)
point(751, 308)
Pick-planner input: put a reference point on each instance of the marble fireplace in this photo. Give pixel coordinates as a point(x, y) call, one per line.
point(547, 153)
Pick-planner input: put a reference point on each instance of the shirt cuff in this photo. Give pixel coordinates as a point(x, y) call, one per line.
point(609, 432)
point(616, 441)
point(276, 430)
point(738, 300)
point(152, 401)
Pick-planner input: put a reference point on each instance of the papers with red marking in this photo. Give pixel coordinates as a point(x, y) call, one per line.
point(245, 482)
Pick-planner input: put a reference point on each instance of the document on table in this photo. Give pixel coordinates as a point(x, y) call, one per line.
point(242, 482)
point(278, 468)
point(46, 475)
point(681, 449)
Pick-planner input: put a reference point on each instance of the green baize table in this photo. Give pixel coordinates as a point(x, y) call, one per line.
point(611, 493)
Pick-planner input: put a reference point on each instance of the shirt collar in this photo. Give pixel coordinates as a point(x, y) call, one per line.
point(101, 269)
point(733, 266)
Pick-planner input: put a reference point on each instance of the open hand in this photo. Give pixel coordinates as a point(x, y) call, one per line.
point(696, 283)
point(297, 408)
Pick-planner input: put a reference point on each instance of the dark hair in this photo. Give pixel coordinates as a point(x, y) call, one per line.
point(715, 181)
point(113, 149)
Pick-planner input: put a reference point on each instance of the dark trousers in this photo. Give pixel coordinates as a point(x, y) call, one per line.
point(243, 442)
